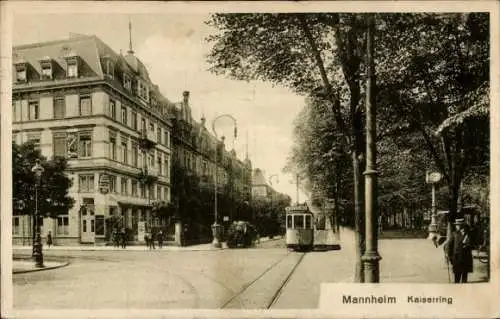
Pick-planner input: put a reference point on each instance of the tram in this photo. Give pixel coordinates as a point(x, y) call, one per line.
point(309, 227)
point(299, 228)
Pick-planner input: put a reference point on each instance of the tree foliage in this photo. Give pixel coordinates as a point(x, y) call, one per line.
point(53, 198)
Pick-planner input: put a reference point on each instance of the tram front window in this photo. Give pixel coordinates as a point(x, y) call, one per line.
point(289, 221)
point(308, 222)
point(298, 221)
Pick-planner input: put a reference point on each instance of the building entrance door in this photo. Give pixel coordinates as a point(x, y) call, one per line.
point(87, 225)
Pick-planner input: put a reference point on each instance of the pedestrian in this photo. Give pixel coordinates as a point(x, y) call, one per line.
point(152, 240)
point(159, 236)
point(459, 251)
point(115, 238)
point(49, 239)
point(123, 237)
point(147, 239)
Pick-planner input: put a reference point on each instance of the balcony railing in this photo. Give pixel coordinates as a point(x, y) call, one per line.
point(147, 140)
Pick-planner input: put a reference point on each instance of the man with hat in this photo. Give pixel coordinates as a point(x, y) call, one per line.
point(459, 251)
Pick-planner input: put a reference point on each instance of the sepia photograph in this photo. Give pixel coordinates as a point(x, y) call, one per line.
point(163, 158)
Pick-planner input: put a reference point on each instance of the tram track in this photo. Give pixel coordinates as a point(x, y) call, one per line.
point(284, 283)
point(254, 284)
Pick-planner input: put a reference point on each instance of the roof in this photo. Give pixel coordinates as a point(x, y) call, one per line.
point(85, 47)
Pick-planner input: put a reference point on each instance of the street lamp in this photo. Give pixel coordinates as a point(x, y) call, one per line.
point(433, 178)
point(216, 227)
point(37, 244)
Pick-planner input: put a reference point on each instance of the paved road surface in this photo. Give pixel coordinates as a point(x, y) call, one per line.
point(230, 278)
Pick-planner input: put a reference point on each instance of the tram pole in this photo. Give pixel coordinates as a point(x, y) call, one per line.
point(371, 256)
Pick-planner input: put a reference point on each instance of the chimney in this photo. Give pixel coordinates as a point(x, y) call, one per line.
point(185, 96)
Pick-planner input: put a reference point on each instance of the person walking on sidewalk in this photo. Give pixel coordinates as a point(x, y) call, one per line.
point(459, 251)
point(159, 236)
point(49, 239)
point(123, 237)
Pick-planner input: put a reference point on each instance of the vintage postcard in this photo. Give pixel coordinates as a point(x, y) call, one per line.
point(241, 159)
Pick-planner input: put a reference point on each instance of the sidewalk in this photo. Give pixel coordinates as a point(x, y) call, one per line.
point(414, 261)
point(201, 247)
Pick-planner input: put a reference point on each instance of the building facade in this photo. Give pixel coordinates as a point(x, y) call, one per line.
point(78, 99)
point(202, 154)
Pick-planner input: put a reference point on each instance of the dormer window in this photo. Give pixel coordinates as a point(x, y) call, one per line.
point(127, 82)
point(143, 90)
point(72, 63)
point(72, 69)
point(21, 73)
point(109, 67)
point(46, 70)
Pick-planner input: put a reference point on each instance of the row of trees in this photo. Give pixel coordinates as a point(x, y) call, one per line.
point(431, 93)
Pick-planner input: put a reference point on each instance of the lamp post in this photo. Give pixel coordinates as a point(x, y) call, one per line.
point(433, 178)
point(37, 244)
point(371, 257)
point(216, 227)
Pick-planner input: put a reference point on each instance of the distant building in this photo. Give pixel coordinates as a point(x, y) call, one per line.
point(194, 149)
point(78, 99)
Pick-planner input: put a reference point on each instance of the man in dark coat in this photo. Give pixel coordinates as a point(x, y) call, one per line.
point(459, 251)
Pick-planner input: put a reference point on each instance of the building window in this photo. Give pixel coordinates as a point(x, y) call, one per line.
point(112, 146)
point(143, 125)
point(142, 189)
point(33, 110)
point(151, 127)
point(151, 192)
point(35, 139)
point(124, 186)
point(143, 90)
point(166, 170)
point(99, 225)
point(85, 144)
point(134, 188)
point(21, 74)
point(159, 163)
point(124, 150)
point(60, 143)
point(62, 225)
point(46, 71)
point(59, 108)
point(167, 138)
point(85, 106)
point(110, 69)
point(15, 225)
point(158, 135)
point(124, 115)
point(133, 118)
point(165, 193)
point(135, 154)
point(72, 69)
point(86, 183)
point(159, 193)
point(112, 109)
point(152, 159)
point(112, 184)
point(127, 83)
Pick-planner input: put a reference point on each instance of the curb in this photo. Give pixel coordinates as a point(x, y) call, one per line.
point(62, 264)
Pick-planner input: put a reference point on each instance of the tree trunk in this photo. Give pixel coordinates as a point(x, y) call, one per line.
point(359, 193)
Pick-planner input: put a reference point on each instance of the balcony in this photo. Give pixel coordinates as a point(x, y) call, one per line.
point(147, 177)
point(147, 140)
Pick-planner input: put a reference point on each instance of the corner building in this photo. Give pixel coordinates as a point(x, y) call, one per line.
point(79, 99)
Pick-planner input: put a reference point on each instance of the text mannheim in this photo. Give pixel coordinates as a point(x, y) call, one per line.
point(79, 99)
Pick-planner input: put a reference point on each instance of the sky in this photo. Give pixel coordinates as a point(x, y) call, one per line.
point(172, 46)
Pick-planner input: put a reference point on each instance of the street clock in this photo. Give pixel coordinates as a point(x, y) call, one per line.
point(432, 177)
